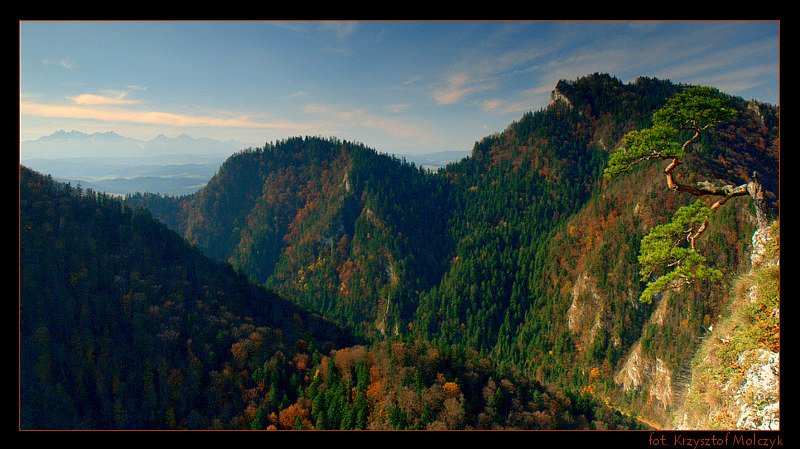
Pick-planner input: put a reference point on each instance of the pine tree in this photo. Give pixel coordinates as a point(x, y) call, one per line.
point(669, 256)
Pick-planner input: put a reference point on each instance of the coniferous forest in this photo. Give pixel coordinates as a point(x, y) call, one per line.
point(316, 283)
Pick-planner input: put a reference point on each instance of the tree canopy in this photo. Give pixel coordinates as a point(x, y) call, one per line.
point(669, 257)
point(694, 109)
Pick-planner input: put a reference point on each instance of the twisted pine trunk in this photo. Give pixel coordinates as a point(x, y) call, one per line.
point(726, 191)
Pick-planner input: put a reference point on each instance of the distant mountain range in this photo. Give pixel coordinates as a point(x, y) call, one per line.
point(163, 150)
point(112, 163)
point(71, 144)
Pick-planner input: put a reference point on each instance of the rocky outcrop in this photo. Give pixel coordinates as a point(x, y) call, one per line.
point(648, 374)
point(644, 373)
point(752, 106)
point(556, 96)
point(585, 308)
point(760, 255)
point(757, 400)
point(747, 402)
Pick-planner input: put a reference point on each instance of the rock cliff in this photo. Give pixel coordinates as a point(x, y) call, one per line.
point(556, 96)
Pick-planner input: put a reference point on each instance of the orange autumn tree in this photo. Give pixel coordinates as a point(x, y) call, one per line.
point(295, 417)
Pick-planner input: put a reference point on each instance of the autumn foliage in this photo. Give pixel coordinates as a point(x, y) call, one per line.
point(315, 283)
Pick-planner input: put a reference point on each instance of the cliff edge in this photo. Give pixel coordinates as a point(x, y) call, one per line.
point(735, 377)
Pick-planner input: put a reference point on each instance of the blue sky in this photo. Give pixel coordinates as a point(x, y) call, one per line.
point(405, 87)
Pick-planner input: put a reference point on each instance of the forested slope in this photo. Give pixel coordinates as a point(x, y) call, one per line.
point(637, 354)
point(125, 325)
point(332, 224)
point(521, 252)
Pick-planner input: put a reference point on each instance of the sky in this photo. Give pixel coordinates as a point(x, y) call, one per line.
point(402, 87)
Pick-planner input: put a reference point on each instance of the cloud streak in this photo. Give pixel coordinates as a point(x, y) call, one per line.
point(459, 85)
point(342, 30)
point(116, 98)
point(337, 116)
point(63, 62)
point(119, 115)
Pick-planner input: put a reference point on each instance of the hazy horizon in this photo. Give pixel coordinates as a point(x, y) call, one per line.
point(400, 87)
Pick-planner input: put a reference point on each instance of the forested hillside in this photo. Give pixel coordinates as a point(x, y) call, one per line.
point(332, 224)
point(123, 325)
point(521, 256)
point(521, 251)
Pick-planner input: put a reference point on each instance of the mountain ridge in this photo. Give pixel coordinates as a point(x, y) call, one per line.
point(124, 326)
point(520, 252)
point(583, 131)
point(65, 144)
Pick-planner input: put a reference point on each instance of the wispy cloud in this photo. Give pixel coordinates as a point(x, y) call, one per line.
point(336, 116)
point(487, 66)
point(88, 110)
point(491, 105)
point(331, 36)
point(112, 98)
point(741, 80)
point(715, 60)
point(396, 108)
point(342, 30)
point(63, 62)
point(458, 85)
point(412, 80)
